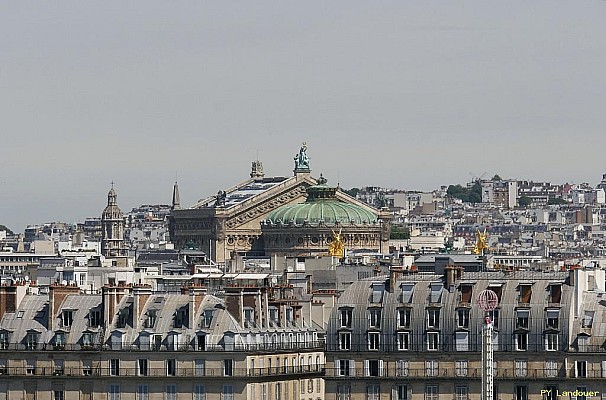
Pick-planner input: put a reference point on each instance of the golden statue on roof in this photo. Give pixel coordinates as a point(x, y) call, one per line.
point(481, 242)
point(336, 248)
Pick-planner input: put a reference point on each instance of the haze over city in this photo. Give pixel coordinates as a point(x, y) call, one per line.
point(411, 95)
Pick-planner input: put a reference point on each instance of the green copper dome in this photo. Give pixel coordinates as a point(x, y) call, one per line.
point(321, 207)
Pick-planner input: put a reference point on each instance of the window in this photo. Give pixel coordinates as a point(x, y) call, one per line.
point(114, 367)
point(374, 318)
point(227, 392)
point(199, 367)
point(345, 367)
point(249, 316)
point(142, 367)
point(555, 294)
point(208, 318)
point(150, 320)
point(58, 394)
point(171, 392)
point(582, 342)
point(30, 366)
point(407, 292)
point(345, 317)
point(200, 341)
point(373, 392)
point(551, 393)
point(402, 368)
point(404, 318)
point(462, 341)
point(4, 340)
point(553, 319)
point(588, 319)
point(431, 392)
point(521, 368)
point(403, 341)
point(373, 367)
point(228, 367)
point(401, 392)
point(373, 340)
point(67, 318)
point(461, 367)
point(551, 341)
point(433, 318)
point(461, 392)
point(551, 368)
point(94, 318)
point(521, 392)
point(199, 392)
point(466, 291)
point(431, 368)
point(87, 367)
point(142, 392)
point(344, 340)
point(521, 341)
point(343, 392)
point(171, 367)
point(580, 369)
point(433, 340)
point(435, 292)
point(463, 318)
point(114, 392)
point(522, 318)
point(495, 318)
point(525, 293)
point(181, 318)
point(603, 368)
point(59, 340)
point(59, 369)
point(31, 340)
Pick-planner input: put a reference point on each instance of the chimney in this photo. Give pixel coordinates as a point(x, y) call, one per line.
point(11, 296)
point(450, 276)
point(56, 295)
point(141, 293)
point(111, 297)
point(394, 273)
point(196, 295)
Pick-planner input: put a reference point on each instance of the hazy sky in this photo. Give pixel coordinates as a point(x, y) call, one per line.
point(406, 94)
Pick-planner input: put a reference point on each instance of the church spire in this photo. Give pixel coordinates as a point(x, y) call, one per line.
point(176, 200)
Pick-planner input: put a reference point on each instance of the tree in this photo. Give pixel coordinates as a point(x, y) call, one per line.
point(496, 177)
point(524, 201)
point(471, 194)
point(8, 231)
point(353, 192)
point(399, 232)
point(556, 201)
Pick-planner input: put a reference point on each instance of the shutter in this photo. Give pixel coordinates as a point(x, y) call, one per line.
point(603, 369)
point(352, 367)
point(337, 367)
point(380, 367)
point(366, 368)
point(394, 393)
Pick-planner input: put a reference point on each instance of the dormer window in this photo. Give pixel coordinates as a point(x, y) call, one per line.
point(123, 317)
point(588, 319)
point(87, 339)
point(377, 293)
point(555, 293)
point(404, 318)
point(525, 293)
point(433, 318)
point(180, 318)
point(150, 320)
point(435, 293)
point(466, 291)
point(94, 318)
point(463, 318)
point(345, 316)
point(273, 315)
point(4, 340)
point(208, 318)
point(522, 318)
point(374, 318)
point(553, 319)
point(249, 316)
point(67, 318)
point(407, 291)
point(59, 339)
point(31, 340)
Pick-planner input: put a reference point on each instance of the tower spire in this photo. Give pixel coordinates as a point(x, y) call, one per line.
point(176, 205)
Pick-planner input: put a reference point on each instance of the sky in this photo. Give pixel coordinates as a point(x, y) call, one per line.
point(399, 94)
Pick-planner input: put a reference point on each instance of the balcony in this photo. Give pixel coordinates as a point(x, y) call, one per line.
point(448, 373)
point(308, 371)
